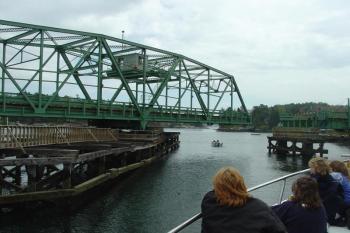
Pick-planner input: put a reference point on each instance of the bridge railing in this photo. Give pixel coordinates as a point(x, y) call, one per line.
point(136, 135)
point(14, 105)
point(13, 136)
point(282, 179)
point(296, 132)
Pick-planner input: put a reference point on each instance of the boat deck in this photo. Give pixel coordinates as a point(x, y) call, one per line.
point(333, 229)
point(330, 229)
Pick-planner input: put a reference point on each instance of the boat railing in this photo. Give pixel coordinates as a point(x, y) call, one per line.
point(282, 179)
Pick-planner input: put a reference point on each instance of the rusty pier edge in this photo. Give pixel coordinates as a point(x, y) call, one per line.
point(61, 171)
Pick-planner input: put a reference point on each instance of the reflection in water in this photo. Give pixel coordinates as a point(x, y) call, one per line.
point(291, 163)
point(162, 195)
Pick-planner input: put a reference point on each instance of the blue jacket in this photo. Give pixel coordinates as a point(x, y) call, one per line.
point(345, 183)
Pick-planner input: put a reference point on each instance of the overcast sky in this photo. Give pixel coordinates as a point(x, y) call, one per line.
point(279, 51)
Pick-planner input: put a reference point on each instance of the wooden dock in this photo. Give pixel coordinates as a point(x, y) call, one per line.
point(296, 142)
point(45, 164)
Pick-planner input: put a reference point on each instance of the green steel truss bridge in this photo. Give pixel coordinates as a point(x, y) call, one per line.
point(322, 120)
point(60, 73)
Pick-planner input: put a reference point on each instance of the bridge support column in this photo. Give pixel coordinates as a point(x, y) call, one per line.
point(294, 147)
point(281, 147)
point(138, 156)
point(101, 165)
point(67, 175)
point(307, 148)
point(123, 159)
point(321, 149)
point(3, 77)
point(143, 124)
point(1, 177)
point(18, 178)
point(31, 172)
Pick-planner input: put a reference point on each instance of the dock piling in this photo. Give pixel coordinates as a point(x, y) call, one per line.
point(57, 170)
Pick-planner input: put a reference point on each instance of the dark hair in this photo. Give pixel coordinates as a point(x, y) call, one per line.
point(305, 192)
point(338, 166)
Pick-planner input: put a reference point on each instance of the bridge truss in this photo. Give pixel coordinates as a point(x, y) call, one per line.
point(52, 72)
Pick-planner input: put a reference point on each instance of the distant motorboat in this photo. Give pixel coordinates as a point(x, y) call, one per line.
point(216, 143)
point(255, 134)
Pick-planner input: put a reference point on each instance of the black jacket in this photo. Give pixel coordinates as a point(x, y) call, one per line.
point(331, 194)
point(254, 217)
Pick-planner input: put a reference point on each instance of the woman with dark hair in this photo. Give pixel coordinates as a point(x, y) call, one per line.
point(330, 191)
point(230, 208)
point(304, 212)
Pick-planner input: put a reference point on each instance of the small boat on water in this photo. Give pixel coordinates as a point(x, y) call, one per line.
point(255, 134)
point(216, 143)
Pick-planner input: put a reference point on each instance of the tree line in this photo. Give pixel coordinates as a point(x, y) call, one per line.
point(265, 117)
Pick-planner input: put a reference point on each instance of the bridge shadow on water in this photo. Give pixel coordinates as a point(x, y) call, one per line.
point(290, 163)
point(81, 214)
point(99, 210)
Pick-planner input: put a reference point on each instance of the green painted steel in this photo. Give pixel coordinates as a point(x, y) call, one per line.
point(53, 72)
point(321, 120)
point(76, 108)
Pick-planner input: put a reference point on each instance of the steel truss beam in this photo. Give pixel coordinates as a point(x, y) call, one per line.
point(99, 59)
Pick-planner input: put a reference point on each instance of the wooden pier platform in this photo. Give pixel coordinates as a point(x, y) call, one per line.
point(69, 162)
point(296, 142)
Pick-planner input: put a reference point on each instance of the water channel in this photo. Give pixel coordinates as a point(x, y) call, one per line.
point(156, 198)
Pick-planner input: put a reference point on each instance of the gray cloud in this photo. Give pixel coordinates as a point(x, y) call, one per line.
point(280, 51)
point(57, 12)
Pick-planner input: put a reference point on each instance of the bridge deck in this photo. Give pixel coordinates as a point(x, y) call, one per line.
point(65, 107)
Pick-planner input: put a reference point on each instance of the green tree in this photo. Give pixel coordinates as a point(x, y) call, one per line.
point(260, 116)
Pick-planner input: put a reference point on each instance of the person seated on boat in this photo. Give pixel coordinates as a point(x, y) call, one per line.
point(304, 212)
point(230, 208)
point(341, 174)
point(329, 189)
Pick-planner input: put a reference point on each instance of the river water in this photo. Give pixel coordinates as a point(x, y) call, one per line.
point(159, 197)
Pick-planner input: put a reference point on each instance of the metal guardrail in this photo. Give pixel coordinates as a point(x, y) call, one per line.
point(13, 136)
point(300, 133)
point(78, 108)
point(282, 178)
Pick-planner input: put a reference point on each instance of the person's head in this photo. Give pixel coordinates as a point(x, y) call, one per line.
point(338, 166)
point(229, 187)
point(305, 192)
point(319, 166)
